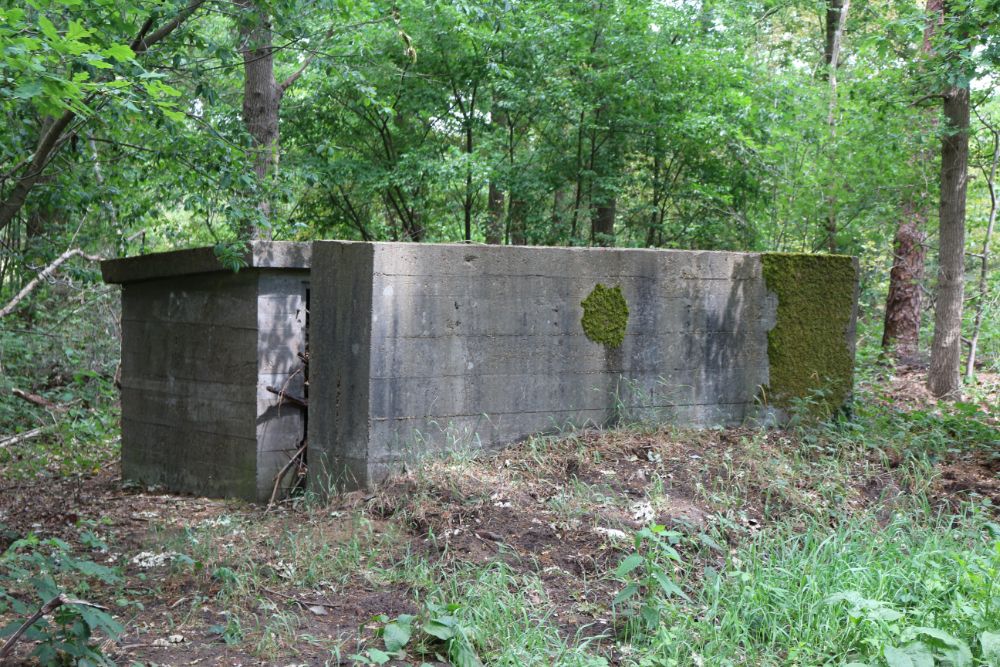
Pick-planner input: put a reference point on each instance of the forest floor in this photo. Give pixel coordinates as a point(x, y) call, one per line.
point(516, 553)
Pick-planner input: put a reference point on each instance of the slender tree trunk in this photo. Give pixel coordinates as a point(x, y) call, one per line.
point(984, 287)
point(494, 223)
point(261, 105)
point(558, 206)
point(578, 196)
point(495, 205)
point(836, 19)
point(944, 379)
point(469, 195)
point(518, 221)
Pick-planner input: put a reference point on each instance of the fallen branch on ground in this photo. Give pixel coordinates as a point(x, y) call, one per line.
point(35, 399)
point(45, 274)
point(21, 437)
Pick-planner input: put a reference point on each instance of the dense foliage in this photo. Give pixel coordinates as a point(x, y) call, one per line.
point(713, 125)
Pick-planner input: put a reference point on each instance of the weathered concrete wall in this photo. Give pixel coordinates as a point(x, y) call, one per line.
point(418, 348)
point(200, 345)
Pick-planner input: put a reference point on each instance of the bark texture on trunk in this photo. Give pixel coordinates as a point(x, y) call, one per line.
point(901, 329)
point(518, 221)
point(604, 221)
point(944, 378)
point(494, 222)
point(903, 304)
point(836, 18)
point(983, 289)
point(495, 205)
point(261, 102)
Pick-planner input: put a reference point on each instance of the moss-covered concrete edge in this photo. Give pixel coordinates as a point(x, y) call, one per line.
point(605, 315)
point(810, 350)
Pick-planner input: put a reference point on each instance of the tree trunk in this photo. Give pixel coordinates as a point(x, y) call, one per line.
point(604, 220)
point(518, 222)
point(944, 378)
point(495, 205)
point(836, 18)
point(903, 304)
point(901, 329)
point(494, 223)
point(469, 194)
point(261, 105)
point(984, 287)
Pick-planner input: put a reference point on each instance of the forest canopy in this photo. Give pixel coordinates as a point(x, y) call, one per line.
point(783, 126)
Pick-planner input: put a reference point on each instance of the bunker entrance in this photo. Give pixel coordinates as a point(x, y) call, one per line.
point(291, 479)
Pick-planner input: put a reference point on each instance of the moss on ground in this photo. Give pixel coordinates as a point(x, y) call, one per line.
point(809, 350)
point(605, 315)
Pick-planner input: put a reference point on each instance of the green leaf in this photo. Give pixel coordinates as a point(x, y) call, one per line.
point(950, 647)
point(990, 641)
point(48, 29)
point(99, 620)
point(28, 90)
point(435, 628)
point(626, 593)
point(397, 636)
point(120, 52)
point(377, 656)
point(650, 614)
point(669, 588)
point(629, 564)
point(462, 655)
point(913, 654)
point(76, 31)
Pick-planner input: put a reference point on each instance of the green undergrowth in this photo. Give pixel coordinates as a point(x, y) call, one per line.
point(63, 348)
point(862, 592)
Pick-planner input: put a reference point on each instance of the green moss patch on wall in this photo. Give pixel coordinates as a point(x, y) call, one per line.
point(605, 315)
point(810, 350)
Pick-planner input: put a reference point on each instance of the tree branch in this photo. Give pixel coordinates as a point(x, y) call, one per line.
point(287, 83)
point(51, 139)
point(45, 274)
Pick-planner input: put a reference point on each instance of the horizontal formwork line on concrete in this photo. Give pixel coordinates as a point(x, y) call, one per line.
point(189, 427)
point(236, 392)
point(490, 416)
point(598, 371)
point(581, 334)
point(201, 323)
point(575, 277)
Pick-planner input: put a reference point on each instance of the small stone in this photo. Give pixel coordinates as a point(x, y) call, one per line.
point(318, 610)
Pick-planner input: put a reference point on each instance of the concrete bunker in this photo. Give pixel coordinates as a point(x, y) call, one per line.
point(421, 348)
point(200, 347)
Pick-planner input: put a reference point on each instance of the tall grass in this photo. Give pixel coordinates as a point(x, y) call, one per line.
point(836, 595)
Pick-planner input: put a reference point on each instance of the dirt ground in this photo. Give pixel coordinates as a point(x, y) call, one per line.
point(564, 512)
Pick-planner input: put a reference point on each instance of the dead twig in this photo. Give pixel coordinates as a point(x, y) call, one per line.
point(305, 604)
point(21, 437)
point(296, 459)
point(291, 398)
